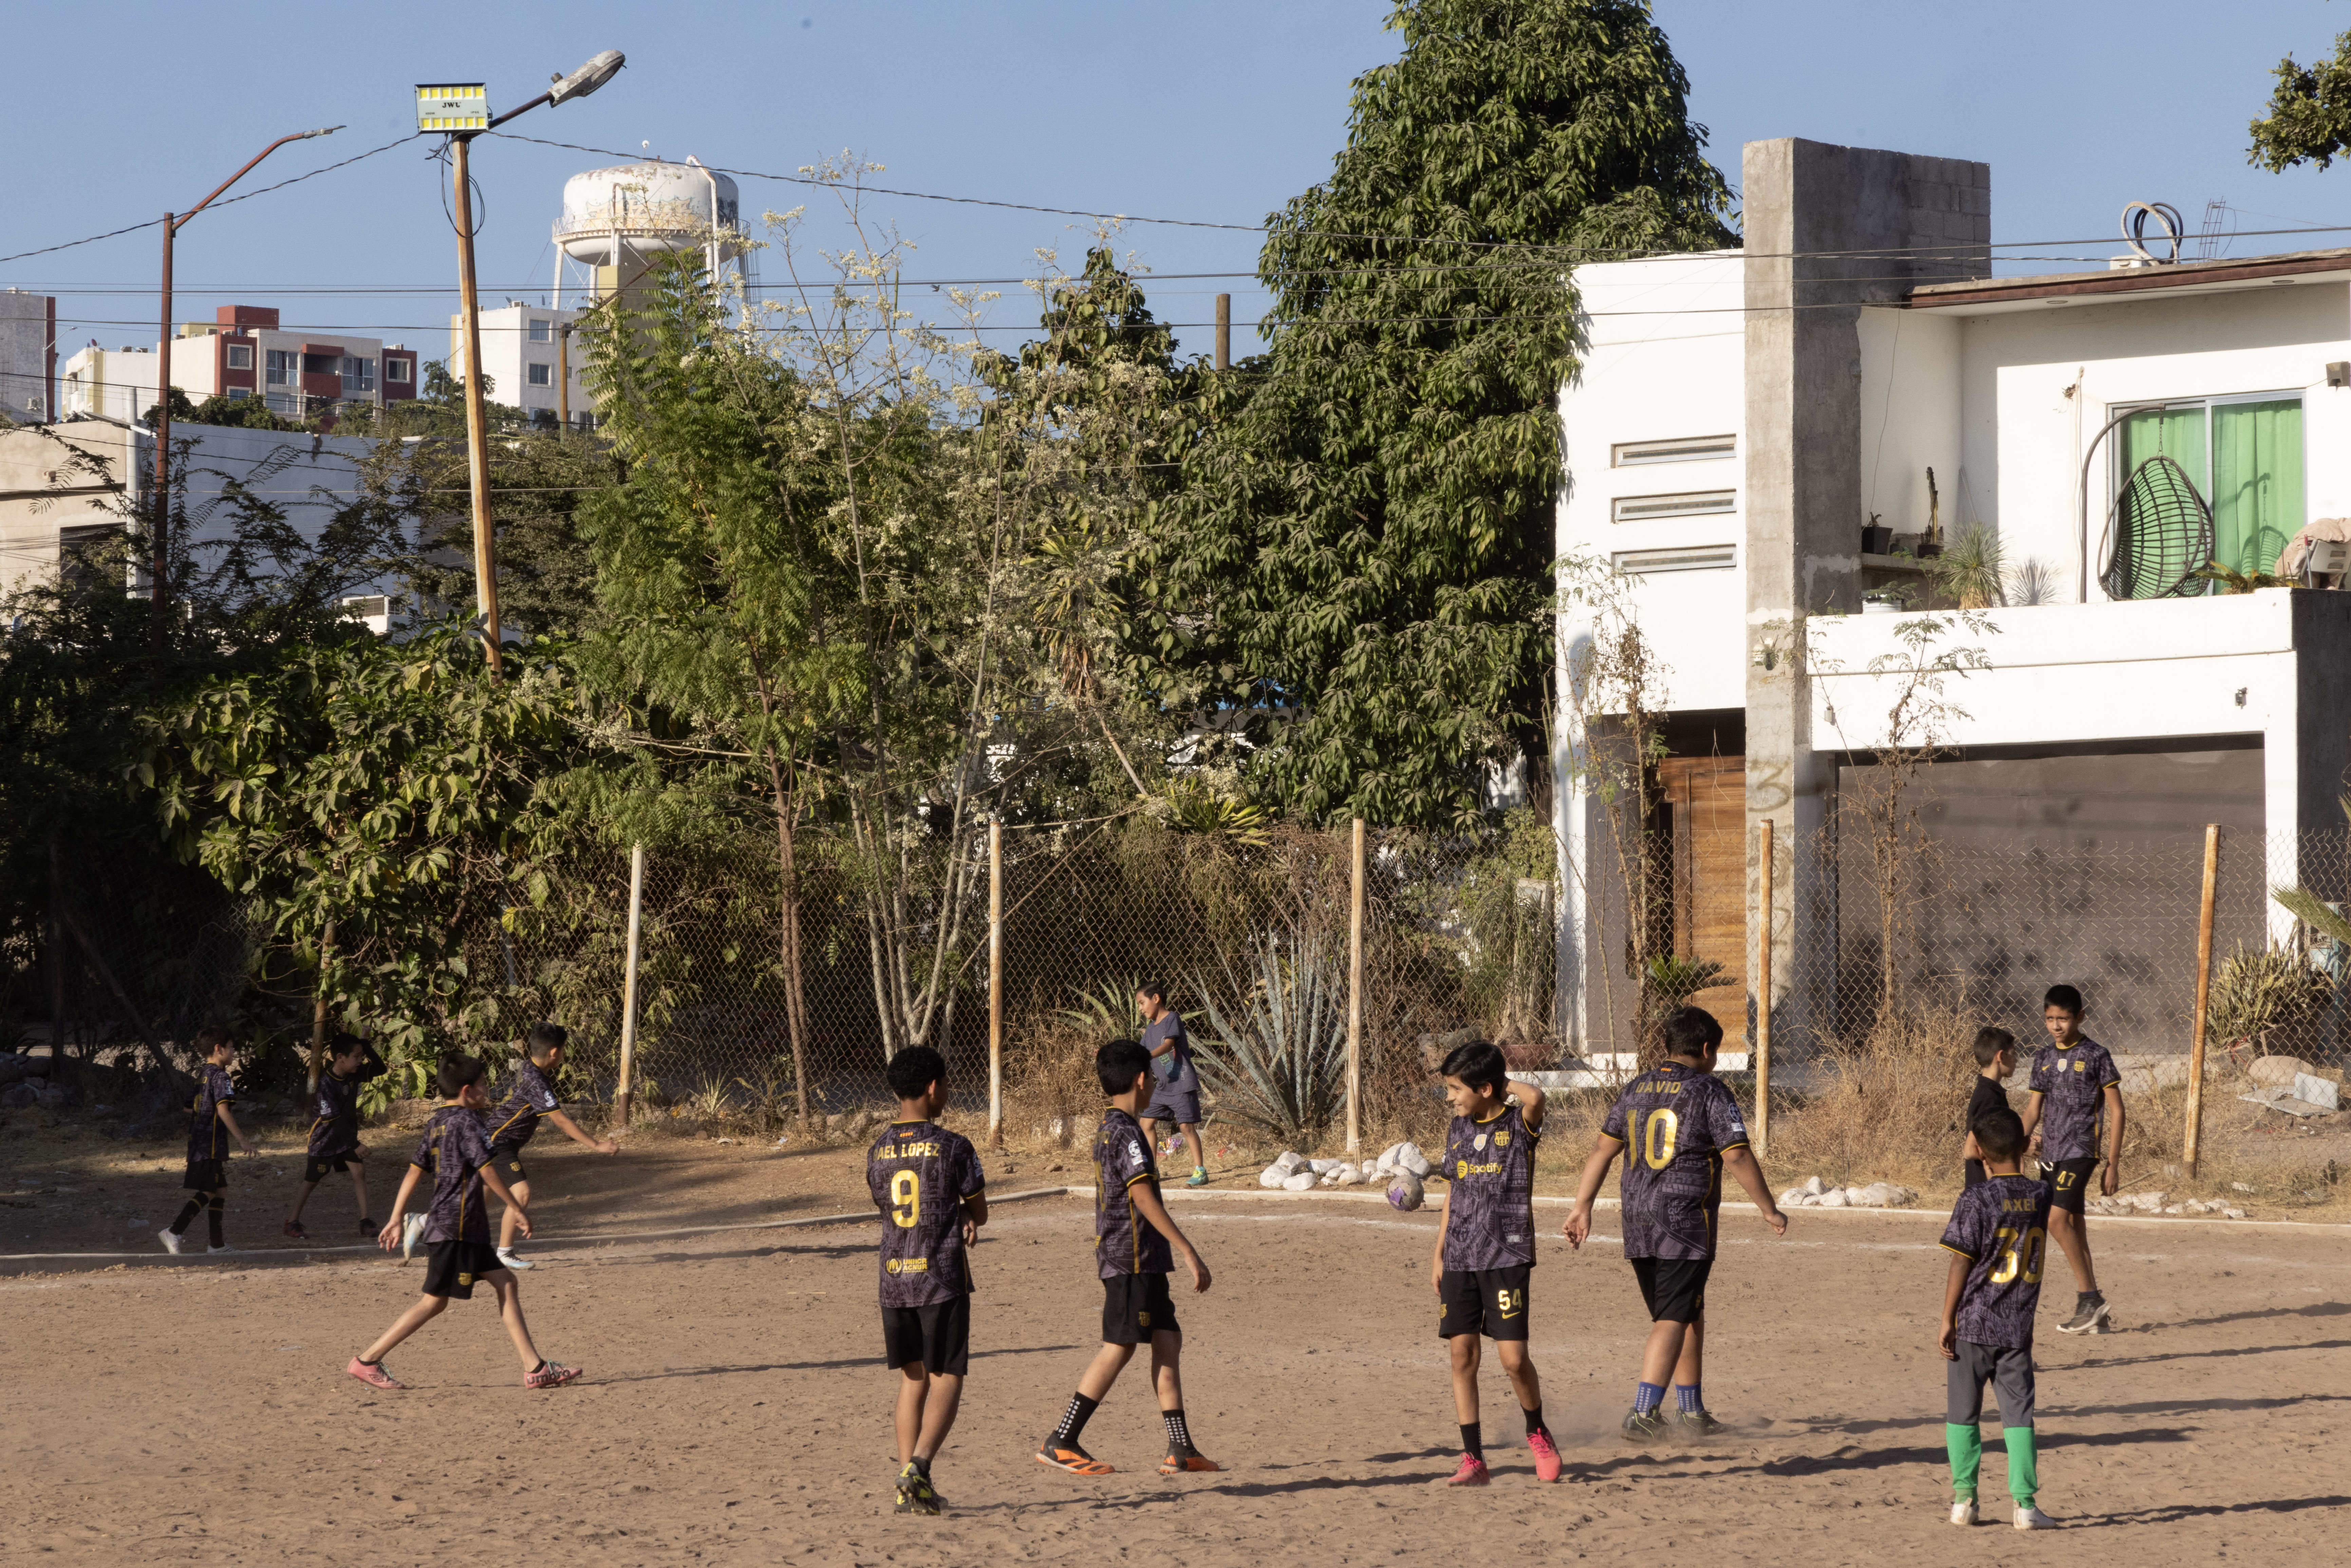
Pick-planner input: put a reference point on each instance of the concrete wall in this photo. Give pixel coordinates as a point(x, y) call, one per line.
point(1910, 421)
point(28, 325)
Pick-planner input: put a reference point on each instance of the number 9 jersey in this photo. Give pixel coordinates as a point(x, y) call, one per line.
point(919, 1175)
point(1675, 1122)
point(2001, 1226)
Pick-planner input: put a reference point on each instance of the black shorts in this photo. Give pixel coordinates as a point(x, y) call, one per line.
point(1135, 1307)
point(2069, 1183)
point(205, 1175)
point(1975, 1173)
point(319, 1164)
point(1673, 1287)
point(1170, 1105)
point(455, 1268)
point(507, 1163)
point(1491, 1301)
point(937, 1335)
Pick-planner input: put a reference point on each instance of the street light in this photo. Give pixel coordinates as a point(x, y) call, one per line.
point(172, 224)
point(462, 112)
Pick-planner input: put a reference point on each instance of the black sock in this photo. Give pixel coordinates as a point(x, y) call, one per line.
point(1073, 1420)
point(1179, 1440)
point(1473, 1439)
point(194, 1206)
point(1535, 1420)
point(214, 1213)
point(922, 1465)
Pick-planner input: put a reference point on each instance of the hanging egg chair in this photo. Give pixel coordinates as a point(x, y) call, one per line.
point(2158, 535)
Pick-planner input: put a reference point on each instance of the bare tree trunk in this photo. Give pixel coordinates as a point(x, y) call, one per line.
point(788, 939)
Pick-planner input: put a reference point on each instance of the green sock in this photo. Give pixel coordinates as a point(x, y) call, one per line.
point(1966, 1444)
point(2024, 1473)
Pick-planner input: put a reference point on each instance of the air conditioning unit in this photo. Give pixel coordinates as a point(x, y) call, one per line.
point(374, 609)
point(2326, 557)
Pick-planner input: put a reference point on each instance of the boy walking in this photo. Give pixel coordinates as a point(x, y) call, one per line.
point(1174, 1081)
point(2072, 1081)
point(1998, 1239)
point(335, 1128)
point(515, 1122)
point(1133, 1241)
point(211, 1125)
point(1995, 1054)
point(1679, 1128)
point(926, 1182)
point(455, 1155)
point(1486, 1248)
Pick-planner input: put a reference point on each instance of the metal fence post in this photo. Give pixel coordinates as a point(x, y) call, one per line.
point(2203, 986)
point(1355, 997)
point(629, 986)
point(1763, 995)
point(995, 983)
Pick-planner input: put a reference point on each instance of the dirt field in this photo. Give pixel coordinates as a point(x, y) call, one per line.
point(735, 1409)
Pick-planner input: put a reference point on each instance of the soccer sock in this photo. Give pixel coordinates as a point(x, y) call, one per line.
point(922, 1465)
point(1647, 1397)
point(1966, 1444)
point(1473, 1439)
point(187, 1213)
point(1534, 1420)
point(1073, 1420)
point(1179, 1439)
point(214, 1213)
point(2023, 1471)
point(1686, 1396)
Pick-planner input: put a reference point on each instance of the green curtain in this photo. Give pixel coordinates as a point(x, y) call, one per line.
point(2176, 433)
point(2257, 481)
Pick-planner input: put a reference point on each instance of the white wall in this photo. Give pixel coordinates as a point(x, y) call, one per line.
point(508, 352)
point(1910, 414)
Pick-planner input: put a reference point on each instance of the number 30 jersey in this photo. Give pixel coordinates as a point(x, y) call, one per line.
point(2002, 1227)
point(1675, 1122)
point(919, 1175)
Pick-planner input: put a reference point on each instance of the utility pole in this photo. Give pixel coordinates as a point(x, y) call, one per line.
point(563, 376)
point(1224, 331)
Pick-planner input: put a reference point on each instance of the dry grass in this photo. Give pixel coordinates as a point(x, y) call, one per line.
point(1888, 1108)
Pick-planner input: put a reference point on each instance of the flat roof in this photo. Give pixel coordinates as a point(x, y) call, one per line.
point(1985, 295)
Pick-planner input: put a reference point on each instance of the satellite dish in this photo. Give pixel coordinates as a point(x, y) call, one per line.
point(2160, 534)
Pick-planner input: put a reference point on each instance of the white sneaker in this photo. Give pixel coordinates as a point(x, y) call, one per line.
point(170, 1242)
point(216, 1251)
point(515, 1260)
point(2030, 1517)
point(1964, 1512)
point(412, 1226)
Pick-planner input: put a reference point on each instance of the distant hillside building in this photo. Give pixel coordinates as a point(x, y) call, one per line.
point(244, 353)
point(528, 356)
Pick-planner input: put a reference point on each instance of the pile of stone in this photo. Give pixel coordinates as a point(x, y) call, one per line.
point(1818, 1194)
point(2160, 1203)
point(1401, 1166)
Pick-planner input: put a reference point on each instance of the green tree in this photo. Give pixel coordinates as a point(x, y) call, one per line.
point(1364, 538)
point(2309, 118)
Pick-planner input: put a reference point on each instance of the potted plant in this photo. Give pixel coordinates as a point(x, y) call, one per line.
point(1971, 569)
point(1875, 540)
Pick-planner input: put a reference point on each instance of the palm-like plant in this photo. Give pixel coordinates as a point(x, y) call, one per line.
point(1972, 568)
point(1107, 1008)
point(1280, 1063)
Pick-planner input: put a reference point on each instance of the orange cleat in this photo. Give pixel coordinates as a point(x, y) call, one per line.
point(1070, 1458)
point(1188, 1464)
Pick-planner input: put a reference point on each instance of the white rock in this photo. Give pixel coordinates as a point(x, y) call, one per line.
point(1793, 1197)
point(2312, 1090)
point(2239, 1186)
point(2175, 1208)
point(1324, 1168)
point(1354, 1176)
point(2149, 1202)
point(1303, 1181)
point(2281, 1070)
point(1291, 1160)
point(1272, 1176)
point(1817, 1187)
point(1879, 1195)
point(1405, 1191)
point(1834, 1198)
point(1411, 1160)
point(2234, 1213)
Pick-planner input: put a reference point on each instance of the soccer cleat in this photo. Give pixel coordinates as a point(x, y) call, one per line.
point(514, 1259)
point(915, 1494)
point(1188, 1464)
point(216, 1251)
point(1644, 1428)
point(1696, 1423)
point(1963, 1513)
point(412, 1226)
point(294, 1229)
point(2030, 1517)
point(369, 1228)
point(170, 1241)
point(376, 1376)
point(550, 1375)
point(1472, 1473)
point(1546, 1455)
point(2090, 1317)
point(1197, 1178)
point(1070, 1458)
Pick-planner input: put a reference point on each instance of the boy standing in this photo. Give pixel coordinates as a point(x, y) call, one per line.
point(1997, 1238)
point(1133, 1238)
point(335, 1129)
point(455, 1155)
point(1176, 1083)
point(926, 1182)
point(515, 1120)
point(1486, 1247)
point(1681, 1128)
point(2073, 1080)
point(211, 1125)
point(1995, 1054)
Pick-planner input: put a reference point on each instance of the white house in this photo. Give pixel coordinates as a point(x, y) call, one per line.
point(535, 364)
point(1740, 418)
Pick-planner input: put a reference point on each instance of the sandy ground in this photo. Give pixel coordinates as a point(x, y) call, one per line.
point(736, 1410)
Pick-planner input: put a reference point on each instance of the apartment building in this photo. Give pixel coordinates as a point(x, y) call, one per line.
point(245, 352)
point(532, 360)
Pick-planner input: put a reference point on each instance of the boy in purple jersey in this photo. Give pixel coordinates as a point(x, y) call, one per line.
point(1679, 1128)
point(926, 1182)
point(335, 1128)
point(515, 1121)
point(1998, 1239)
point(2073, 1080)
point(1136, 1244)
point(211, 1125)
point(456, 1154)
point(1486, 1247)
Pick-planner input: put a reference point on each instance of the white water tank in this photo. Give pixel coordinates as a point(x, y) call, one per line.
point(641, 208)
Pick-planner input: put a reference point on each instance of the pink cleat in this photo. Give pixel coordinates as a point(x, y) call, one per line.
point(550, 1376)
point(375, 1375)
point(1472, 1473)
point(1546, 1456)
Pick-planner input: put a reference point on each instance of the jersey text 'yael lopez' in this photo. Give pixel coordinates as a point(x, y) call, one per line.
point(920, 1173)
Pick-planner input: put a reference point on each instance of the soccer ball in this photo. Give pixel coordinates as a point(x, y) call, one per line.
point(1404, 1191)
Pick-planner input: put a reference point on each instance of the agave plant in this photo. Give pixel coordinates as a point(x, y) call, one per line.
point(1673, 981)
point(1280, 1062)
point(2256, 992)
point(1107, 1008)
point(1971, 569)
point(1194, 808)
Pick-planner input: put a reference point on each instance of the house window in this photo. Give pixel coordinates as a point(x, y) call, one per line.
point(396, 371)
point(358, 375)
point(1690, 504)
point(237, 392)
point(2243, 454)
point(88, 555)
point(277, 366)
point(240, 356)
point(539, 333)
point(540, 376)
point(321, 364)
point(1701, 558)
point(1690, 449)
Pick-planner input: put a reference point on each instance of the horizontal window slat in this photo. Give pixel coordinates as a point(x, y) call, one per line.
point(1689, 504)
point(1688, 449)
point(1698, 557)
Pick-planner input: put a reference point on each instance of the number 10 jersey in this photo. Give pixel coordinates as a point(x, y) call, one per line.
point(919, 1175)
point(1675, 1122)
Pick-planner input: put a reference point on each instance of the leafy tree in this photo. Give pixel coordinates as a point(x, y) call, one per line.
point(2309, 118)
point(1365, 535)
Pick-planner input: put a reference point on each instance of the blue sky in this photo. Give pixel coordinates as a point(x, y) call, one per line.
point(1208, 111)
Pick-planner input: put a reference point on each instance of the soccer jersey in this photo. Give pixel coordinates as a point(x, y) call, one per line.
point(335, 1130)
point(1677, 1121)
point(1173, 1070)
point(516, 1117)
point(207, 1138)
point(2072, 1082)
point(2001, 1228)
point(920, 1173)
point(453, 1151)
point(1490, 1205)
point(1125, 1242)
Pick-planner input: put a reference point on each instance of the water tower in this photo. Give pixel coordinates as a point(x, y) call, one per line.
point(617, 220)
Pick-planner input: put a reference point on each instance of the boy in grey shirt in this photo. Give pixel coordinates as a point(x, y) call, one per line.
point(1175, 1085)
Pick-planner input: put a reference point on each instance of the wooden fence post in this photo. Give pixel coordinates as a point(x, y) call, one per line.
point(995, 984)
point(628, 989)
point(2203, 987)
point(1355, 996)
point(1763, 995)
